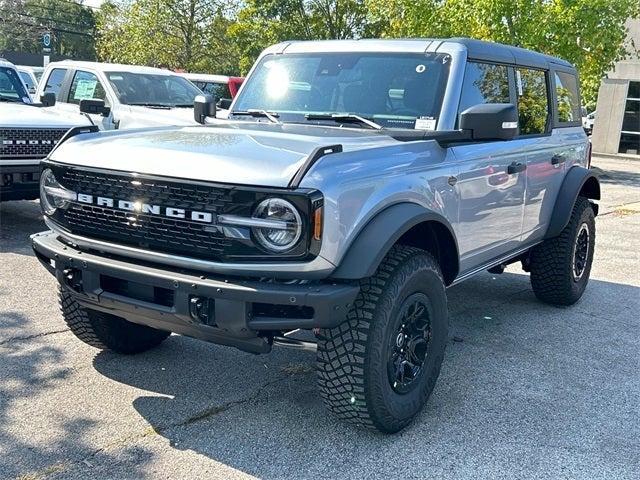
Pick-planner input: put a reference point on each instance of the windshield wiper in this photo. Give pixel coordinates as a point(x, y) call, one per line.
point(272, 116)
point(343, 117)
point(183, 105)
point(150, 104)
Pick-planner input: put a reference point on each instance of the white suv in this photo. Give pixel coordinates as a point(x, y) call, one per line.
point(133, 96)
point(28, 132)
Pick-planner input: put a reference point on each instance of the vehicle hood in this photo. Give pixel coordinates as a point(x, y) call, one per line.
point(139, 117)
point(23, 116)
point(244, 153)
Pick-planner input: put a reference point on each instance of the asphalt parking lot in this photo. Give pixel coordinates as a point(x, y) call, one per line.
point(526, 390)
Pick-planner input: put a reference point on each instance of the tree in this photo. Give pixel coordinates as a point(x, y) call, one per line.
point(261, 23)
point(22, 23)
point(178, 34)
point(588, 33)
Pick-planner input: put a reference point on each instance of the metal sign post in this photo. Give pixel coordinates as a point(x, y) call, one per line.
point(46, 48)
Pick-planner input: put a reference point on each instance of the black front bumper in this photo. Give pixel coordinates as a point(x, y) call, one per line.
point(19, 182)
point(228, 311)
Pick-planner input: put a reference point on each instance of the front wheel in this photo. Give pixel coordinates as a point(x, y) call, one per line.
point(560, 266)
point(379, 367)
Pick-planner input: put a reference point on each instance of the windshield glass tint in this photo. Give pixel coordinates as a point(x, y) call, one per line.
point(392, 89)
point(152, 90)
point(218, 90)
point(10, 86)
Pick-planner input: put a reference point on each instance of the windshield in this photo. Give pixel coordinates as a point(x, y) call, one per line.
point(218, 90)
point(395, 90)
point(11, 88)
point(152, 90)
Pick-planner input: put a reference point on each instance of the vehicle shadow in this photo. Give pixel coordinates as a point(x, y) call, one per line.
point(18, 220)
point(522, 383)
point(618, 177)
point(33, 443)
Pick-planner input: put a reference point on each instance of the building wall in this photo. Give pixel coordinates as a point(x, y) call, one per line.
point(612, 95)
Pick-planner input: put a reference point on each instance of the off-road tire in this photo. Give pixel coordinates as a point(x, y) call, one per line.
point(105, 331)
point(552, 262)
point(352, 357)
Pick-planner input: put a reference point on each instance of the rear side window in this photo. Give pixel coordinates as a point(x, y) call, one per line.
point(218, 90)
point(533, 102)
point(85, 86)
point(54, 82)
point(484, 83)
point(567, 99)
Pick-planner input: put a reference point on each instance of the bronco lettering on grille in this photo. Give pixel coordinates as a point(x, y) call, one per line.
point(139, 207)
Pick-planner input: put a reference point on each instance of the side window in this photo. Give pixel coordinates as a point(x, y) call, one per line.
point(26, 79)
point(533, 103)
point(54, 82)
point(484, 83)
point(85, 86)
point(567, 99)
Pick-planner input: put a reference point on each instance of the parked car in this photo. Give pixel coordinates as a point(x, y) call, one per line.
point(28, 132)
point(30, 76)
point(353, 182)
point(133, 96)
point(222, 87)
point(588, 121)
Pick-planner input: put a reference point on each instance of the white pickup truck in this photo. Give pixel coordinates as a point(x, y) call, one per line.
point(133, 96)
point(28, 132)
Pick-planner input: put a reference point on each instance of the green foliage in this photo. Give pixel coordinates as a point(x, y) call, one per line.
point(261, 23)
point(588, 33)
point(177, 34)
point(22, 23)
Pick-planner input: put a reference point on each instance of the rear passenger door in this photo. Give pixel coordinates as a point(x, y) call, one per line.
point(546, 153)
point(492, 177)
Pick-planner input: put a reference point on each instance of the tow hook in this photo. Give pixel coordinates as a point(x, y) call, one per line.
point(73, 279)
point(201, 310)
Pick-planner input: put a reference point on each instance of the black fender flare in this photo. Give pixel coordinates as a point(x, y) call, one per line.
point(578, 180)
point(376, 238)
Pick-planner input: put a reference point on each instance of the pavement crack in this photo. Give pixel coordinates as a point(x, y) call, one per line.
point(152, 430)
point(31, 337)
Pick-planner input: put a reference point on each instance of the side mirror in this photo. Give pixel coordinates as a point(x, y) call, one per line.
point(203, 106)
point(94, 106)
point(490, 121)
point(224, 103)
point(48, 99)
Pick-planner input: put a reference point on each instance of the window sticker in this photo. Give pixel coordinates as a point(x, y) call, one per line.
point(425, 123)
point(85, 89)
point(519, 82)
point(420, 68)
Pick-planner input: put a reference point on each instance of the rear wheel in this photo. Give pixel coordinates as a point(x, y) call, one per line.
point(106, 331)
point(379, 367)
point(560, 266)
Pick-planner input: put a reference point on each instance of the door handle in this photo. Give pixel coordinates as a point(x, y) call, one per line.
point(558, 159)
point(516, 167)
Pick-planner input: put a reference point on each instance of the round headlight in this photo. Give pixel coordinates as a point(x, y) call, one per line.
point(282, 227)
point(52, 194)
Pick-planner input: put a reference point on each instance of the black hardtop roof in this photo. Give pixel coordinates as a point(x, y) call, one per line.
point(498, 52)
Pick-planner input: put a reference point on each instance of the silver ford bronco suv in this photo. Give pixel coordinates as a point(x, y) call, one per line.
point(353, 182)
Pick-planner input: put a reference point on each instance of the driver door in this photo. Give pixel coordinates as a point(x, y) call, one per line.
point(87, 85)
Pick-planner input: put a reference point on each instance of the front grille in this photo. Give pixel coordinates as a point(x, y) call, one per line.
point(155, 231)
point(16, 143)
point(148, 231)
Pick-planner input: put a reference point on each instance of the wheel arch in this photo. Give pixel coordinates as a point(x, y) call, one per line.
point(579, 181)
point(404, 224)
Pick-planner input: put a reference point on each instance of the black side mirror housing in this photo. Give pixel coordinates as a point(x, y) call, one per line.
point(94, 106)
point(48, 99)
point(490, 121)
point(224, 103)
point(203, 106)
